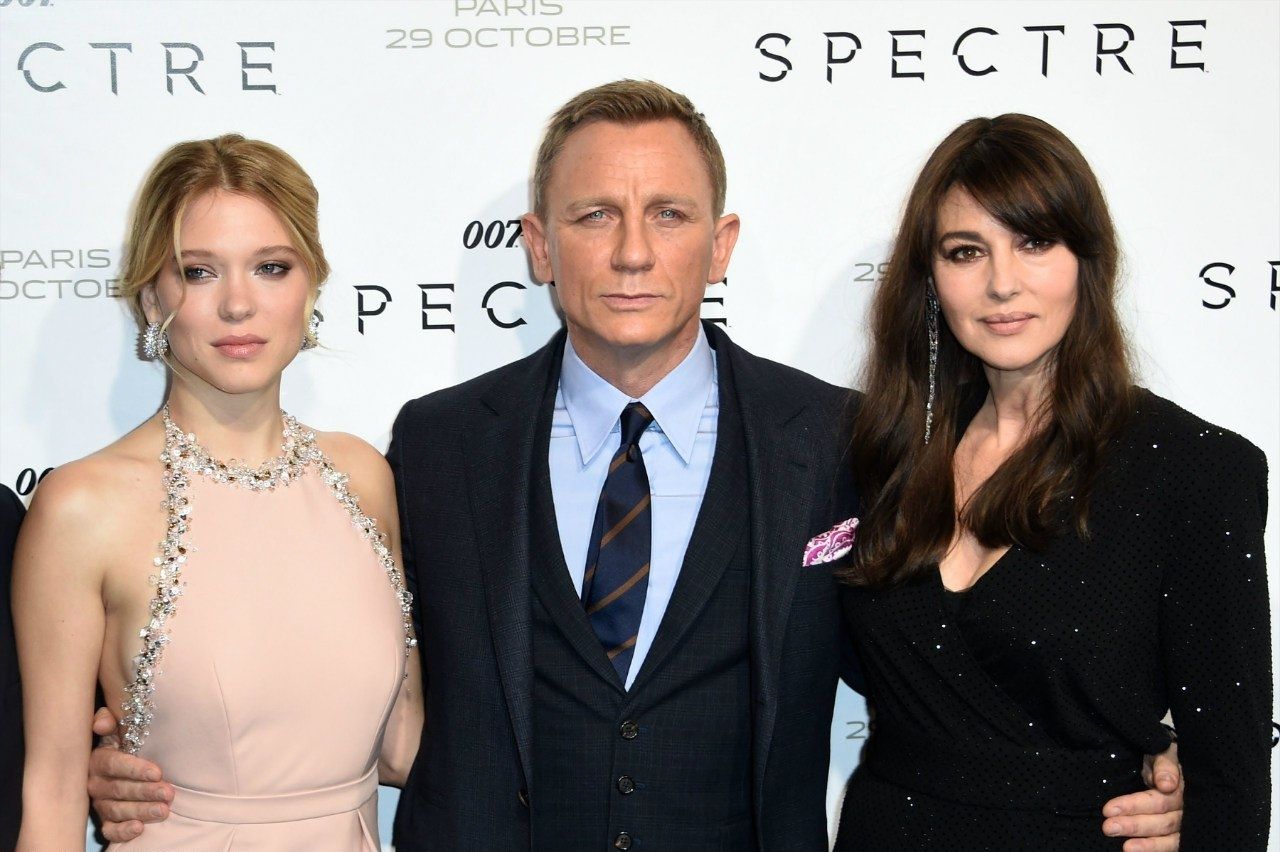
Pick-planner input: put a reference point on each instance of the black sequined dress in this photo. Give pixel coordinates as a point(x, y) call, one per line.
point(1006, 717)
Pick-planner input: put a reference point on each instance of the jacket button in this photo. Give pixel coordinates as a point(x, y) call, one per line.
point(523, 796)
point(629, 730)
point(622, 841)
point(626, 785)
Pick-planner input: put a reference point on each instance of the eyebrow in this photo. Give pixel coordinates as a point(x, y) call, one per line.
point(659, 201)
point(962, 235)
point(262, 252)
point(673, 200)
point(590, 202)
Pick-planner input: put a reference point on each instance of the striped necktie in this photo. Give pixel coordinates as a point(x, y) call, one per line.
point(617, 578)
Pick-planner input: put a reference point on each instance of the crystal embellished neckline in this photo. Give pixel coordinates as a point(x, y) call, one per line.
point(297, 451)
point(183, 457)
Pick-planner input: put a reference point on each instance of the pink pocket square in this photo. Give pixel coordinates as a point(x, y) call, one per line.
point(832, 544)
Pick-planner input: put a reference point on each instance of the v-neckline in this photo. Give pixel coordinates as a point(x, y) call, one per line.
point(971, 403)
point(937, 572)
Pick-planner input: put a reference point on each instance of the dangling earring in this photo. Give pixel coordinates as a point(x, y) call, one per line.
point(931, 325)
point(155, 343)
point(311, 339)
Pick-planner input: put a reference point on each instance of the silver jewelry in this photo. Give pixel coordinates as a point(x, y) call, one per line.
point(311, 339)
point(155, 343)
point(184, 458)
point(931, 324)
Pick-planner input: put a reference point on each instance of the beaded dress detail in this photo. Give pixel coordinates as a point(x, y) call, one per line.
point(272, 656)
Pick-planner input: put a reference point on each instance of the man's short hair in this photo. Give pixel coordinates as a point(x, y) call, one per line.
point(627, 102)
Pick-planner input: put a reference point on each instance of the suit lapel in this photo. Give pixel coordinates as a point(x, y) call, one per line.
point(779, 447)
point(716, 533)
point(500, 451)
point(551, 579)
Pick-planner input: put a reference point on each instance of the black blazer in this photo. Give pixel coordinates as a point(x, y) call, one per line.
point(462, 459)
point(1017, 709)
point(11, 512)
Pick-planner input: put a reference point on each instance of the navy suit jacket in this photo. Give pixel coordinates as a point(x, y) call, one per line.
point(462, 459)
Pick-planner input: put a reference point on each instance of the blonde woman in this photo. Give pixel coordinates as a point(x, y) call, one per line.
point(227, 575)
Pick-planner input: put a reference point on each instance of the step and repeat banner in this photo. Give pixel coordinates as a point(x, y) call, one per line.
point(418, 122)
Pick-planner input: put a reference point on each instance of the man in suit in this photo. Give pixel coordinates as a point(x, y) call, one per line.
point(621, 645)
point(590, 688)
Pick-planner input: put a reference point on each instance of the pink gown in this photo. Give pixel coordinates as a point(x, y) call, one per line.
point(285, 652)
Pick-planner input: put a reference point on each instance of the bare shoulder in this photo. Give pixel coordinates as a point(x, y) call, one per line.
point(355, 457)
point(370, 475)
point(85, 489)
point(84, 506)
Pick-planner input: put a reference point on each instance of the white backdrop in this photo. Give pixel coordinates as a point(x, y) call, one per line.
point(418, 120)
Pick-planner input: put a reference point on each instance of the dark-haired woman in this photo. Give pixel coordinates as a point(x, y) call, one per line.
point(1049, 558)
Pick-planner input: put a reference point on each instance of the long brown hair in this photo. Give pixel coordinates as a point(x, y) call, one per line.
point(1034, 181)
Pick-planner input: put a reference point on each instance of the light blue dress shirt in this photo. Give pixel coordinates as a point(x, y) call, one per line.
point(678, 447)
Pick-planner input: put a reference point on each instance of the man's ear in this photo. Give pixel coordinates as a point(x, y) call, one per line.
point(534, 232)
point(726, 237)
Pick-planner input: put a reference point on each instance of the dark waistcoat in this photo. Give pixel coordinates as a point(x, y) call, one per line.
point(665, 765)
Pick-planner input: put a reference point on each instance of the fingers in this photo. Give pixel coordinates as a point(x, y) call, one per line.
point(1147, 825)
point(1168, 772)
point(113, 811)
point(130, 792)
point(1150, 818)
point(1152, 844)
point(104, 724)
point(109, 763)
point(122, 793)
point(1143, 802)
point(119, 832)
point(127, 791)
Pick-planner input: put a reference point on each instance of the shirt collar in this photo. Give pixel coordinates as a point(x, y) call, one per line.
point(676, 402)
